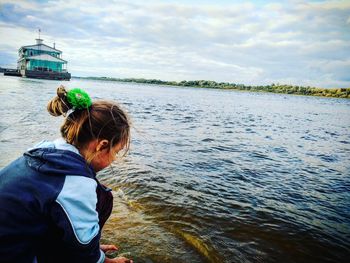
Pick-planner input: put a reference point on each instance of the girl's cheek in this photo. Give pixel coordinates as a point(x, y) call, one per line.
point(104, 161)
point(110, 159)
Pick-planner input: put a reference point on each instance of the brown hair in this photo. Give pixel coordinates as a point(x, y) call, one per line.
point(102, 120)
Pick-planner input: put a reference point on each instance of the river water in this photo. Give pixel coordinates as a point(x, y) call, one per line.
point(212, 176)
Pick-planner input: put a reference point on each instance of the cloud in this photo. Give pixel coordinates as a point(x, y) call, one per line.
point(238, 42)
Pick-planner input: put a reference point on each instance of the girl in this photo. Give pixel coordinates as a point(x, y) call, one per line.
point(52, 207)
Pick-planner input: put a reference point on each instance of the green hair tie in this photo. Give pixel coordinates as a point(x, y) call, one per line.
point(79, 99)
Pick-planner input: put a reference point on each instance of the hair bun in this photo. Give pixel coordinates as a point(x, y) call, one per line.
point(61, 92)
point(59, 105)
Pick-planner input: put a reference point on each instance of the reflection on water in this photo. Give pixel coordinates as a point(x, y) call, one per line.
point(213, 176)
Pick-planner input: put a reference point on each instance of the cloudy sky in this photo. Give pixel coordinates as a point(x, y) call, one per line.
point(250, 42)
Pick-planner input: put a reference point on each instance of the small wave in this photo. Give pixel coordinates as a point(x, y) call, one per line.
point(202, 151)
point(132, 204)
point(226, 148)
point(208, 140)
point(249, 130)
point(258, 155)
point(228, 161)
point(333, 134)
point(328, 158)
point(279, 150)
point(309, 138)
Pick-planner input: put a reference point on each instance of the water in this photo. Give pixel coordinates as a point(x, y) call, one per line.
point(213, 176)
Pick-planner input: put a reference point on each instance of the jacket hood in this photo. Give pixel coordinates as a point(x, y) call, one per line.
point(53, 159)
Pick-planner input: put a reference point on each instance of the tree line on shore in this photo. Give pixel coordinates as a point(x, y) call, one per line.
point(273, 88)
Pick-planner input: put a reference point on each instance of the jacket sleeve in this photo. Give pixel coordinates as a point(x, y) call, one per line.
point(74, 215)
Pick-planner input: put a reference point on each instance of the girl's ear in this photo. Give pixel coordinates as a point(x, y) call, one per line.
point(101, 145)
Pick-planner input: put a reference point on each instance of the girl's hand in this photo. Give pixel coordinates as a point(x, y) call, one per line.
point(106, 248)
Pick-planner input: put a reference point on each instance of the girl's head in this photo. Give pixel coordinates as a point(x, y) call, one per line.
point(99, 131)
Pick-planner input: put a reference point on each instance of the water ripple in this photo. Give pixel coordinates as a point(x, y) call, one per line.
point(212, 176)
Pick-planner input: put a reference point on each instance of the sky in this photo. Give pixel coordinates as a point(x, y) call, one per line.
point(248, 42)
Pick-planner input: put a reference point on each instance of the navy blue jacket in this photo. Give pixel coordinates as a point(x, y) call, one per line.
point(50, 207)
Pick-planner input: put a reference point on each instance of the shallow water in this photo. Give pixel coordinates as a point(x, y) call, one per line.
point(212, 176)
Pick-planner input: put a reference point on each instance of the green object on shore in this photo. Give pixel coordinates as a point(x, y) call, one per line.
point(79, 99)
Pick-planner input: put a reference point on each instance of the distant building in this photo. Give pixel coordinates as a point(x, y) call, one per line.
point(41, 61)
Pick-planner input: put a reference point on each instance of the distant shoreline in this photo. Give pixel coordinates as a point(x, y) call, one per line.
point(273, 88)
